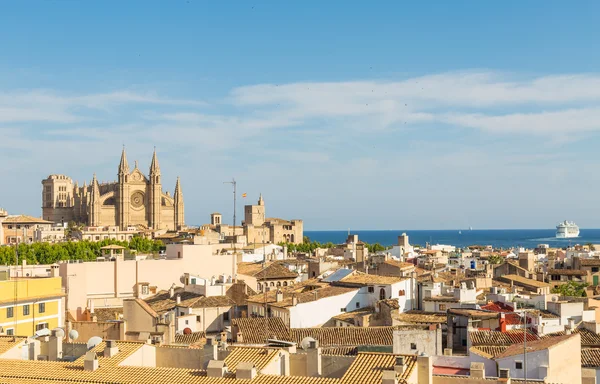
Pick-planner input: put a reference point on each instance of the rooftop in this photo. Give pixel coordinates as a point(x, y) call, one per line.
point(261, 357)
point(567, 272)
point(525, 281)
point(25, 219)
point(360, 279)
point(497, 338)
point(533, 346)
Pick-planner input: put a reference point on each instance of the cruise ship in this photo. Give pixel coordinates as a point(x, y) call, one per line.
point(567, 229)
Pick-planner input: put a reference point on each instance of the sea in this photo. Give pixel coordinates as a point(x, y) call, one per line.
point(497, 238)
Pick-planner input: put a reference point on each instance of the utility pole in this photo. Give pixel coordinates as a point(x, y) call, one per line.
point(233, 182)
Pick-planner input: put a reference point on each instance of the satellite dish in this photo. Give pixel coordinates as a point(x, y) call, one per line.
point(59, 333)
point(93, 341)
point(42, 332)
point(305, 343)
point(73, 334)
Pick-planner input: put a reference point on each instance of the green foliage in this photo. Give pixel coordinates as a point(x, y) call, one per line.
point(495, 259)
point(373, 248)
point(311, 246)
point(572, 288)
point(46, 253)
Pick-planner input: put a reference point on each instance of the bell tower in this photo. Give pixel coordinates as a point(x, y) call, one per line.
point(155, 193)
point(178, 197)
point(123, 198)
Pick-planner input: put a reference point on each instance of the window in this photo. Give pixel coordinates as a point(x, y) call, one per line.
point(198, 318)
point(41, 326)
point(413, 346)
point(26, 310)
point(442, 307)
point(187, 322)
point(357, 305)
point(182, 314)
point(382, 294)
point(193, 280)
point(226, 316)
point(41, 307)
point(342, 309)
point(518, 365)
point(10, 312)
point(401, 292)
point(145, 289)
point(594, 269)
point(10, 332)
point(371, 289)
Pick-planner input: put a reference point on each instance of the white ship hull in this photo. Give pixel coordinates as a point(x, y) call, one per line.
point(564, 235)
point(567, 230)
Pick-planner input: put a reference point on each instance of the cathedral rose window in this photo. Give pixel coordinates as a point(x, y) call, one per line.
point(137, 199)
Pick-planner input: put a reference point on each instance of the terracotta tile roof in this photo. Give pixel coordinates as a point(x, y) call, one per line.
point(349, 316)
point(106, 314)
point(162, 302)
point(271, 271)
point(567, 272)
point(359, 279)
point(368, 368)
point(474, 313)
point(303, 293)
point(9, 342)
point(339, 336)
point(499, 338)
point(533, 346)
point(421, 317)
point(590, 262)
point(444, 299)
point(261, 357)
point(488, 351)
point(25, 219)
point(253, 329)
point(525, 281)
point(126, 349)
point(194, 338)
point(588, 338)
point(590, 357)
point(541, 312)
point(497, 307)
point(340, 351)
point(146, 307)
point(399, 264)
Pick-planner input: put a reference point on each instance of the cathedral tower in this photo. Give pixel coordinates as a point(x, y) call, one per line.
point(123, 198)
point(178, 197)
point(95, 203)
point(155, 193)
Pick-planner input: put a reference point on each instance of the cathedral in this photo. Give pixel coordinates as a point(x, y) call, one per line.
point(134, 200)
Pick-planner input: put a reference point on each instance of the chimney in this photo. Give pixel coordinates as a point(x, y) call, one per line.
point(172, 291)
point(424, 369)
point(478, 370)
point(178, 299)
point(314, 366)
point(504, 375)
point(91, 361)
point(294, 300)
point(389, 377)
point(399, 368)
point(55, 350)
point(91, 306)
point(216, 368)
point(502, 322)
point(279, 296)
point(34, 350)
point(245, 371)
point(111, 348)
point(571, 323)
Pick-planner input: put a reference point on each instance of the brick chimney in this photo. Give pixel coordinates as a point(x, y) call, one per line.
point(502, 322)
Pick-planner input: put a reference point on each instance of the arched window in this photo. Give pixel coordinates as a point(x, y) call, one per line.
point(292, 238)
point(285, 283)
point(279, 283)
point(382, 294)
point(272, 284)
point(259, 287)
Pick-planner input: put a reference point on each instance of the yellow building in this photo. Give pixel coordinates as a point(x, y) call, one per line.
point(27, 305)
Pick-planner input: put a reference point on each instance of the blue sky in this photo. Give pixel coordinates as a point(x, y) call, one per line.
point(346, 114)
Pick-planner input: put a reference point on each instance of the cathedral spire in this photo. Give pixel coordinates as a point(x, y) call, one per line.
point(260, 200)
point(123, 165)
point(95, 188)
point(178, 194)
point(154, 167)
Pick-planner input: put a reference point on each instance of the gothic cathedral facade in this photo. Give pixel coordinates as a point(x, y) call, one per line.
point(135, 200)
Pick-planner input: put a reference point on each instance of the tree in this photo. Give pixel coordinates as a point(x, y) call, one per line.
point(495, 259)
point(572, 288)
